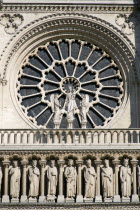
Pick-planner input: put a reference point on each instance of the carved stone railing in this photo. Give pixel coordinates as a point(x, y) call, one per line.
point(69, 137)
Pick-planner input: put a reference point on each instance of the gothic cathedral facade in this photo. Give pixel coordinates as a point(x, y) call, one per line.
point(70, 104)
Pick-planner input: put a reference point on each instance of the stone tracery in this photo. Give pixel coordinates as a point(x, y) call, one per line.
point(74, 74)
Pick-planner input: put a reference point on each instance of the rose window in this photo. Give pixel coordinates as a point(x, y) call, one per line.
point(69, 84)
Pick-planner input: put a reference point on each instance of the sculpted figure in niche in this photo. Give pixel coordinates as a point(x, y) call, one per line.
point(1, 175)
point(15, 174)
point(70, 174)
point(56, 109)
point(107, 180)
point(138, 180)
point(84, 108)
point(125, 177)
point(90, 176)
point(52, 176)
point(71, 106)
point(34, 176)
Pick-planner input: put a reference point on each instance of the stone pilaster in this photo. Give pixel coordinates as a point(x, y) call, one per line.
point(42, 197)
point(24, 163)
point(135, 197)
point(79, 197)
point(98, 197)
point(116, 198)
point(61, 170)
point(5, 197)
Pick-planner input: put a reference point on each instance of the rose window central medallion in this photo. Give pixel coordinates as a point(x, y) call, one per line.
point(69, 84)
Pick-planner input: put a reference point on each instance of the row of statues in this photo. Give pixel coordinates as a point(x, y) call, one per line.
point(70, 109)
point(70, 174)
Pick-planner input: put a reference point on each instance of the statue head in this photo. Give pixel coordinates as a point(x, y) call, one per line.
point(125, 162)
point(70, 162)
point(34, 163)
point(15, 163)
point(88, 163)
point(70, 89)
point(52, 163)
point(106, 163)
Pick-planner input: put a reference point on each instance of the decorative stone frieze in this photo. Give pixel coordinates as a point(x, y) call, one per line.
point(69, 8)
point(103, 206)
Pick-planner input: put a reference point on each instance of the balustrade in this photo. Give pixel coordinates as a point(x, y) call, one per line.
point(70, 137)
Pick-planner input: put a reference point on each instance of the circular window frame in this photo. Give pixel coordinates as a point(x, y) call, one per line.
point(65, 32)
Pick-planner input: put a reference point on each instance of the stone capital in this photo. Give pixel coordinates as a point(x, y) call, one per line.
point(79, 162)
point(97, 162)
point(61, 162)
point(116, 162)
point(42, 162)
point(6, 162)
point(134, 162)
point(24, 162)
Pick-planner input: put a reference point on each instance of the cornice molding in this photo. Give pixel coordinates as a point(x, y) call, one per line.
point(69, 8)
point(75, 206)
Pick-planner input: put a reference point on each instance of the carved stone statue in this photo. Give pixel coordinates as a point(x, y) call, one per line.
point(34, 175)
point(70, 174)
point(138, 173)
point(71, 107)
point(56, 109)
point(1, 175)
point(125, 177)
point(107, 180)
point(89, 175)
point(15, 174)
point(52, 176)
point(84, 108)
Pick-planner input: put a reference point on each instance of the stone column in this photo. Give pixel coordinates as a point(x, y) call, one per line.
point(61, 170)
point(79, 197)
point(98, 197)
point(135, 197)
point(24, 163)
point(117, 198)
point(42, 197)
point(5, 197)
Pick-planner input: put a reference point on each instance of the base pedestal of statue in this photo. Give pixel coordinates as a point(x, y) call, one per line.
point(24, 199)
point(107, 200)
point(32, 200)
point(98, 199)
point(60, 199)
point(15, 200)
point(88, 200)
point(79, 199)
point(51, 199)
point(135, 198)
point(5, 199)
point(70, 200)
point(125, 200)
point(116, 199)
point(42, 199)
